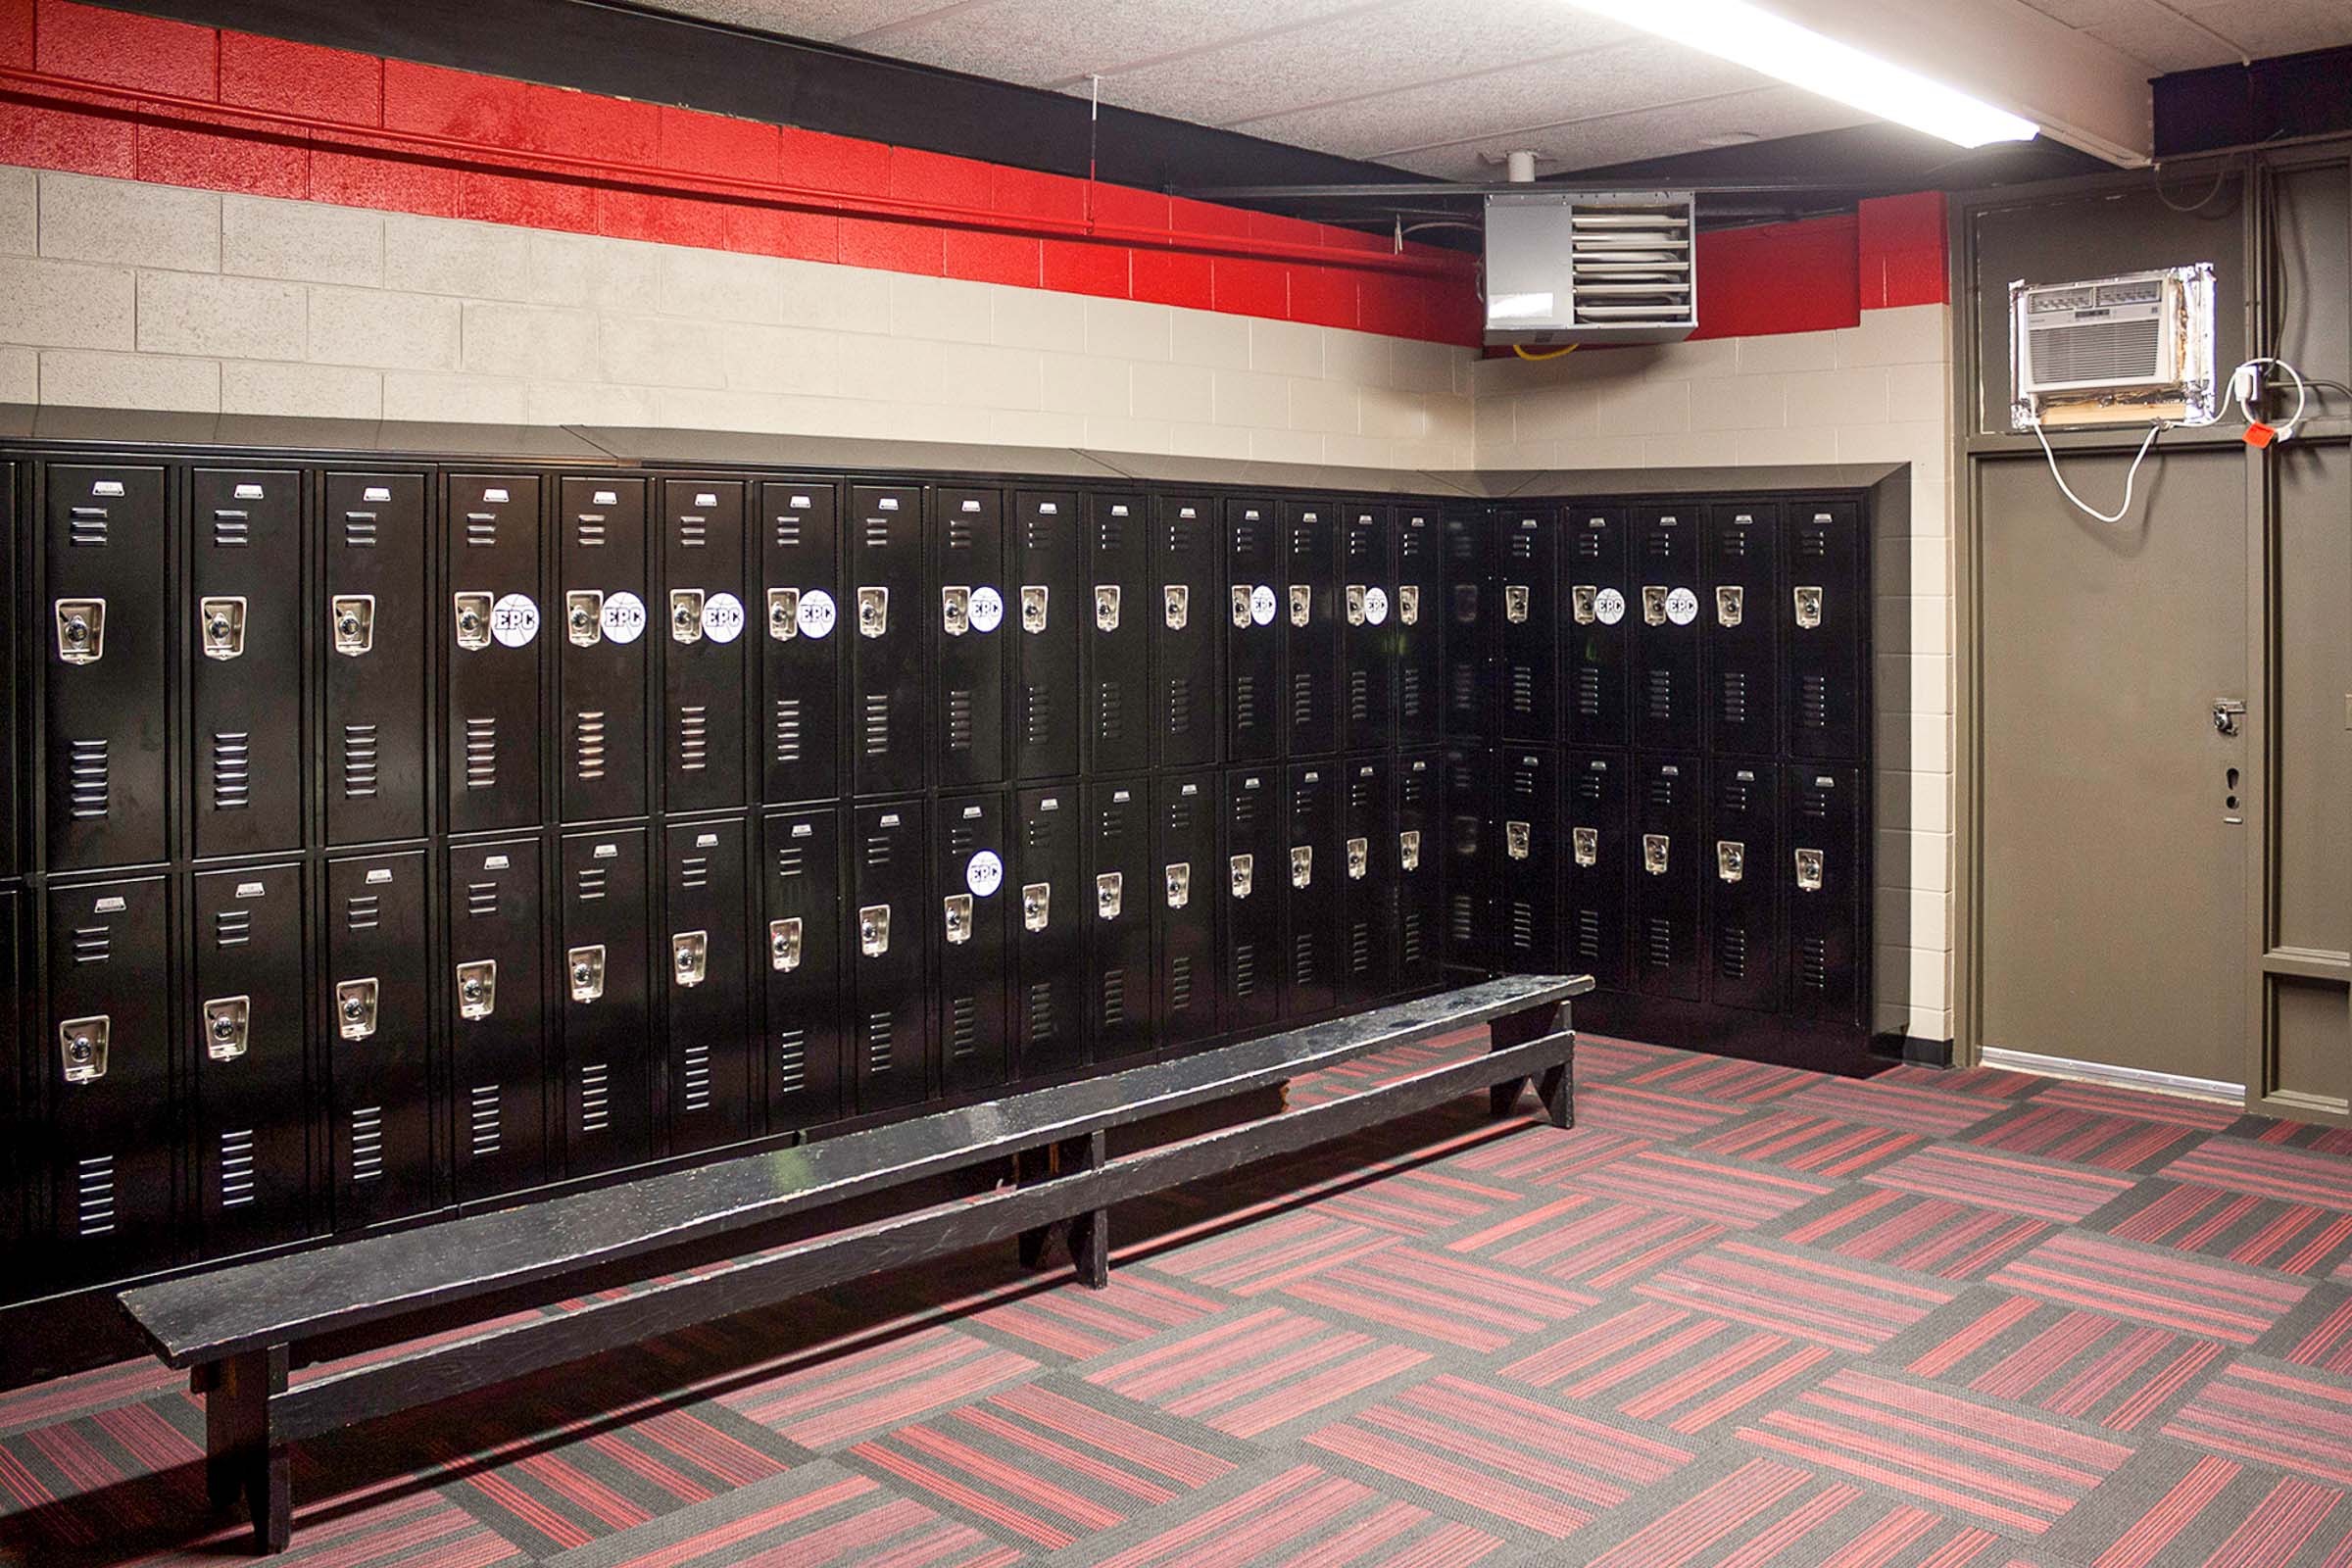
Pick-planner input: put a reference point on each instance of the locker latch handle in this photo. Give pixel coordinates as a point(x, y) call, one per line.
point(1653, 606)
point(873, 612)
point(223, 624)
point(1302, 865)
point(1033, 607)
point(586, 967)
point(1178, 604)
point(226, 1020)
point(1109, 894)
point(1514, 603)
point(783, 614)
point(784, 944)
point(686, 614)
point(1037, 905)
point(1409, 848)
point(1587, 845)
point(1518, 840)
point(477, 988)
point(1729, 602)
point(958, 911)
point(956, 610)
point(80, 630)
point(1581, 600)
point(355, 624)
point(584, 617)
point(1730, 860)
point(1360, 858)
point(1180, 884)
point(1244, 870)
point(81, 1041)
point(1303, 601)
point(1355, 603)
point(473, 611)
point(1808, 870)
point(1408, 602)
point(1808, 608)
point(1241, 606)
point(355, 1009)
point(873, 930)
point(1654, 854)
point(1107, 607)
point(690, 957)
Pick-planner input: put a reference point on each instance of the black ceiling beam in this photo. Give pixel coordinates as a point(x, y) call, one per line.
point(2271, 100)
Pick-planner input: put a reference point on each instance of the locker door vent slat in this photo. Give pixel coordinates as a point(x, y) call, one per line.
point(1523, 926)
point(1244, 701)
point(1812, 964)
point(694, 870)
point(232, 775)
point(596, 1098)
point(959, 718)
point(694, 737)
point(236, 1168)
point(482, 899)
point(792, 858)
point(590, 742)
point(1735, 697)
point(1180, 985)
point(360, 756)
point(231, 530)
point(1042, 1025)
point(788, 729)
point(591, 884)
point(875, 723)
point(1180, 706)
point(1113, 997)
point(482, 1121)
point(1245, 969)
point(1303, 697)
point(481, 753)
point(1110, 716)
point(231, 928)
point(1037, 714)
point(88, 771)
point(1359, 946)
point(362, 911)
point(792, 1061)
point(1307, 963)
point(86, 528)
point(367, 1144)
point(1659, 949)
point(1587, 936)
point(359, 531)
point(1411, 928)
point(93, 944)
point(696, 1078)
point(1731, 952)
point(879, 1059)
point(94, 1195)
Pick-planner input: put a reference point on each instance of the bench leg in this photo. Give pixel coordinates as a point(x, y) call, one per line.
point(241, 1453)
point(1517, 1029)
point(1089, 1232)
point(1032, 1166)
point(1558, 1089)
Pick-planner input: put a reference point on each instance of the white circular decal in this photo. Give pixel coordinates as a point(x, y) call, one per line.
point(1682, 607)
point(1608, 607)
point(818, 613)
point(623, 618)
point(988, 612)
point(984, 873)
point(514, 620)
point(1376, 605)
point(722, 618)
point(1262, 605)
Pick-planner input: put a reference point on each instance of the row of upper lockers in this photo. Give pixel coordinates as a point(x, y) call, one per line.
point(474, 1021)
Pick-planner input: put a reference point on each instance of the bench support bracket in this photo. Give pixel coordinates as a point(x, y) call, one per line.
point(1556, 1087)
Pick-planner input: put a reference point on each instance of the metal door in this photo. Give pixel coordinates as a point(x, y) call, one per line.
point(1118, 616)
point(704, 917)
point(1828, 606)
point(969, 899)
point(493, 651)
point(1597, 866)
point(1417, 630)
point(1368, 885)
point(1416, 841)
point(1601, 611)
point(606, 1005)
point(1250, 881)
point(977, 619)
point(802, 852)
point(887, 942)
point(1367, 612)
point(377, 622)
point(1117, 894)
point(250, 1122)
point(1669, 855)
point(244, 659)
point(1823, 871)
point(496, 1035)
point(375, 1000)
point(1187, 614)
point(1046, 705)
point(1740, 611)
point(1254, 615)
point(1529, 639)
point(1049, 913)
point(890, 681)
point(1744, 885)
point(800, 544)
point(1469, 638)
point(102, 665)
point(601, 662)
point(1309, 879)
point(706, 663)
point(1470, 869)
point(1188, 894)
point(1311, 629)
point(1664, 614)
point(1529, 887)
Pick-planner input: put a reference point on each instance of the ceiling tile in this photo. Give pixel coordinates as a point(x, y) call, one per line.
point(1656, 132)
point(1043, 42)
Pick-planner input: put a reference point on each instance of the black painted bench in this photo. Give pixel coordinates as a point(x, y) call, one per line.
point(761, 1228)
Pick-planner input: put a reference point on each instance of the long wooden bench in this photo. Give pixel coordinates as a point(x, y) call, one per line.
point(759, 1228)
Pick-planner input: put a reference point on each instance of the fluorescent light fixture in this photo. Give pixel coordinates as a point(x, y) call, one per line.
point(1749, 35)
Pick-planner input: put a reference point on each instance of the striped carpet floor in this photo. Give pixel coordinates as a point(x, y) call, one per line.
point(1739, 1316)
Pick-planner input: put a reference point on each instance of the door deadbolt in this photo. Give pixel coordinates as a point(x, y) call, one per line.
point(222, 622)
point(355, 1009)
point(80, 630)
point(81, 1045)
point(783, 614)
point(1808, 870)
point(2227, 714)
point(784, 944)
point(690, 957)
point(686, 614)
point(1654, 854)
point(586, 969)
point(1730, 860)
point(1109, 895)
point(478, 988)
point(1107, 607)
point(1243, 871)
point(1037, 905)
point(1586, 842)
point(1180, 884)
point(584, 617)
point(473, 611)
point(1033, 608)
point(1408, 850)
point(226, 1020)
point(355, 624)
point(873, 930)
point(873, 612)
point(1808, 608)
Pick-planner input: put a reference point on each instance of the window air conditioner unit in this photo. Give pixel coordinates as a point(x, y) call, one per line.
point(2122, 350)
point(1591, 267)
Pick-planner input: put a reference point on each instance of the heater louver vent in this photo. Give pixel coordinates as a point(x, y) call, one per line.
point(1591, 267)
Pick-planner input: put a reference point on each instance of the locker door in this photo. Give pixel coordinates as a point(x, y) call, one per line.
point(1186, 618)
point(1417, 630)
point(976, 621)
point(709, 1075)
point(1742, 679)
point(890, 682)
point(1188, 891)
point(1253, 612)
point(493, 735)
point(1311, 629)
point(252, 1116)
point(1529, 638)
point(799, 546)
point(803, 884)
point(1470, 869)
point(15, 1158)
point(1665, 571)
point(1046, 705)
point(1597, 867)
point(1530, 886)
point(1601, 609)
point(607, 1005)
point(1744, 885)
point(107, 1060)
point(1049, 914)
point(602, 658)
point(888, 941)
point(498, 1047)
point(1367, 607)
point(1250, 879)
point(706, 663)
point(1117, 894)
point(12, 483)
point(1824, 871)
point(1669, 855)
point(1416, 841)
point(244, 659)
point(1469, 656)
point(376, 624)
point(967, 906)
point(1310, 875)
point(375, 999)
point(1826, 608)
point(104, 665)
point(1368, 886)
point(1118, 638)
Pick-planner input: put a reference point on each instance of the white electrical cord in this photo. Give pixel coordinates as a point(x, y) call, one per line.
point(2067, 490)
point(2241, 387)
point(2242, 383)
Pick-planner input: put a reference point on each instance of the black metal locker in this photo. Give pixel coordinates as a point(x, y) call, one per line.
point(1667, 709)
point(1469, 567)
point(1529, 639)
point(601, 663)
point(15, 1157)
point(1250, 878)
point(1367, 883)
point(244, 659)
point(1528, 886)
point(1188, 894)
point(1311, 629)
point(107, 1064)
point(1117, 894)
point(800, 544)
point(12, 485)
point(1050, 910)
point(888, 941)
point(1416, 841)
point(606, 1001)
point(1669, 855)
point(104, 665)
point(706, 664)
point(802, 860)
point(1045, 708)
point(1118, 618)
point(1257, 557)
point(1311, 871)
point(703, 915)
point(1368, 608)
point(1596, 865)
point(1742, 889)
point(493, 733)
point(1596, 625)
point(1186, 632)
point(977, 621)
point(1470, 869)
point(496, 1010)
point(375, 688)
point(1826, 608)
point(1417, 630)
point(1742, 684)
point(970, 842)
point(377, 1001)
point(890, 679)
point(250, 1117)
point(1824, 871)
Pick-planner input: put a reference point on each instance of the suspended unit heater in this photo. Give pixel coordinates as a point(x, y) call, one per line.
point(1615, 267)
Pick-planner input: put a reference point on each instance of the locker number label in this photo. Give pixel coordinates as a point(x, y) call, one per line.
point(984, 873)
point(1263, 606)
point(987, 613)
point(1608, 607)
point(722, 618)
point(622, 617)
point(514, 620)
point(1682, 607)
point(1376, 605)
point(816, 613)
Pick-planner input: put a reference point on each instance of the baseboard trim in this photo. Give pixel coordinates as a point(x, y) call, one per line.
point(2100, 1072)
point(1912, 1051)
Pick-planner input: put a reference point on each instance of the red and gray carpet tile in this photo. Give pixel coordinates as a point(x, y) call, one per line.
point(1739, 1316)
